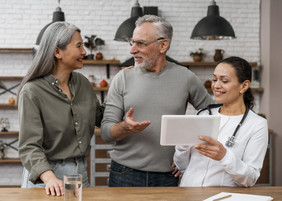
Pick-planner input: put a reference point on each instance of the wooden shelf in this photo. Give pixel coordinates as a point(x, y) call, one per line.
point(257, 90)
point(213, 64)
point(8, 106)
point(16, 50)
point(10, 133)
point(101, 62)
point(10, 160)
point(12, 186)
point(101, 88)
point(11, 77)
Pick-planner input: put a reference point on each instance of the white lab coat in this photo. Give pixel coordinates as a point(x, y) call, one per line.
point(242, 163)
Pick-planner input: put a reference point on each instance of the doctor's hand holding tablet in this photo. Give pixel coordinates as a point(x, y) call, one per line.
point(213, 149)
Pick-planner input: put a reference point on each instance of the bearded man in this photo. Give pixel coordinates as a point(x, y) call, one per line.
point(152, 88)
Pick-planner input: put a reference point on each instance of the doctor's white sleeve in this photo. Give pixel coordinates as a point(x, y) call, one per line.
point(182, 157)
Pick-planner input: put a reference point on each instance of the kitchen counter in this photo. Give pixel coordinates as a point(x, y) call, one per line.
point(139, 193)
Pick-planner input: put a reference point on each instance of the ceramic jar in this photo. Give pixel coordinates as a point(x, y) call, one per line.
point(218, 55)
point(99, 56)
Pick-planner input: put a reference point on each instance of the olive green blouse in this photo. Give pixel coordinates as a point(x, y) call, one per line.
point(51, 126)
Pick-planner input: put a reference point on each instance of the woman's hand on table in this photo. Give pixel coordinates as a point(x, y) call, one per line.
point(53, 185)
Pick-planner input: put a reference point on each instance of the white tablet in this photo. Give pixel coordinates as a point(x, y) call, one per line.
point(185, 129)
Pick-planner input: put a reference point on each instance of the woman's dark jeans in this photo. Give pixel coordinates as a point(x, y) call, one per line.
point(122, 176)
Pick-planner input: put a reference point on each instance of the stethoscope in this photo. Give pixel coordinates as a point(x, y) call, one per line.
point(231, 140)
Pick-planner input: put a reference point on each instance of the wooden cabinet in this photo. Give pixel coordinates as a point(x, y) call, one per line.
point(100, 157)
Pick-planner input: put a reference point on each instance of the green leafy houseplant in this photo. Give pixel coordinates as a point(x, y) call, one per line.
point(92, 42)
point(197, 55)
point(200, 52)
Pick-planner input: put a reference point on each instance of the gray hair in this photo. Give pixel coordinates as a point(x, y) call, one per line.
point(58, 34)
point(164, 28)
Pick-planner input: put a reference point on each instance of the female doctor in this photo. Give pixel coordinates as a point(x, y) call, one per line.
point(236, 157)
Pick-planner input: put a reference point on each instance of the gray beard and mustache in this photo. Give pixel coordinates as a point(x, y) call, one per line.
point(146, 64)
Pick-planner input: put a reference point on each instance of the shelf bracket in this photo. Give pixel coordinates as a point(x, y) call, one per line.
point(4, 145)
point(8, 89)
point(10, 144)
point(102, 96)
point(108, 71)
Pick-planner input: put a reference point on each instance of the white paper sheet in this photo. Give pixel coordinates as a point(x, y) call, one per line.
point(239, 197)
point(185, 129)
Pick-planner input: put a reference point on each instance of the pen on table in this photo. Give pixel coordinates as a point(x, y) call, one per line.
point(224, 197)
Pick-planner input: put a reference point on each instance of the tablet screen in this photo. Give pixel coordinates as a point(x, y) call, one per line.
point(185, 129)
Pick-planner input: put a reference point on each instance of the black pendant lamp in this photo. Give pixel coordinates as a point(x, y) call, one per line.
point(213, 27)
point(125, 30)
point(58, 15)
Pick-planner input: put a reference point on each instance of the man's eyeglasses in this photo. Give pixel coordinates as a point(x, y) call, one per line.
point(143, 43)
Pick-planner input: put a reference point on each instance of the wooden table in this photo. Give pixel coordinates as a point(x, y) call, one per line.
point(139, 194)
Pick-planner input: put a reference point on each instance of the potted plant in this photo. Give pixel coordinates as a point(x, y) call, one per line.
point(99, 42)
point(92, 42)
point(197, 55)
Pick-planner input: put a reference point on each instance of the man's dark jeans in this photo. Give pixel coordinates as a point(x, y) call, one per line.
point(122, 176)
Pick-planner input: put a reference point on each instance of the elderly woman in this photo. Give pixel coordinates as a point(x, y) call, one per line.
point(236, 157)
point(58, 110)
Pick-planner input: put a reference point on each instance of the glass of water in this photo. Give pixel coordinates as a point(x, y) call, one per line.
point(73, 187)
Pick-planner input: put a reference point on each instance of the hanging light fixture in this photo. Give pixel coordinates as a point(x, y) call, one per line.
point(125, 30)
point(213, 27)
point(58, 15)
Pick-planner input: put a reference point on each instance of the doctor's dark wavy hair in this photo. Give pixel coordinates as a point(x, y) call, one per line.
point(243, 72)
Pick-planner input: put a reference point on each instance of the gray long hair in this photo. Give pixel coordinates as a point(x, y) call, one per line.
point(164, 28)
point(58, 34)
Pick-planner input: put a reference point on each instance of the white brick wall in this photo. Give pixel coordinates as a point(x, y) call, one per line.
point(21, 22)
